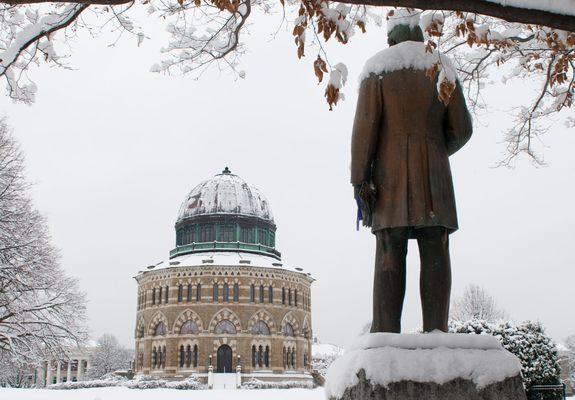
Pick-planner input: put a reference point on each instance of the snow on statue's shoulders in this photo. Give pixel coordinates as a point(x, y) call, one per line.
point(407, 55)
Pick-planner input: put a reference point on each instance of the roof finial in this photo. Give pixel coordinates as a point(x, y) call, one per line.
point(226, 171)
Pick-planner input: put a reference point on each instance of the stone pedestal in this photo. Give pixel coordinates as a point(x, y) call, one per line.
point(385, 366)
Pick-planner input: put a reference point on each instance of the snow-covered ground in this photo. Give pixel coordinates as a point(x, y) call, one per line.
point(122, 393)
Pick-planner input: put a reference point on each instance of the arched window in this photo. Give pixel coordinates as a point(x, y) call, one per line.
point(289, 296)
point(236, 292)
point(182, 356)
point(180, 293)
point(215, 293)
point(189, 327)
point(160, 296)
point(225, 327)
point(260, 328)
point(188, 356)
point(160, 329)
point(270, 294)
point(226, 292)
point(267, 357)
point(288, 357)
point(199, 292)
point(260, 356)
point(154, 296)
point(283, 295)
point(154, 357)
point(195, 356)
point(305, 360)
point(189, 293)
point(166, 295)
point(285, 358)
point(163, 356)
point(295, 297)
point(254, 356)
point(293, 358)
point(261, 293)
point(288, 329)
point(252, 293)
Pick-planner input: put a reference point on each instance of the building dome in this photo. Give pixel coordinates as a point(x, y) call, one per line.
point(224, 213)
point(225, 193)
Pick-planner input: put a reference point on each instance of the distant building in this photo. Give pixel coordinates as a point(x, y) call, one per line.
point(71, 369)
point(224, 301)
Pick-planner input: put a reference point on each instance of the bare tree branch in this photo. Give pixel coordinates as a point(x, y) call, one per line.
point(508, 13)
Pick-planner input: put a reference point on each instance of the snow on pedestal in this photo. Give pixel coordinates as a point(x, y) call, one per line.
point(425, 366)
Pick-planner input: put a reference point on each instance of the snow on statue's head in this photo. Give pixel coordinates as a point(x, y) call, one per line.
point(403, 25)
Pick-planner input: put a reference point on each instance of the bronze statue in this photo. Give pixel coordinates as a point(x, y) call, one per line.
point(403, 136)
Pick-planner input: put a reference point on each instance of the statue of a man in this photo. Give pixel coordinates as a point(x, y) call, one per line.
point(403, 136)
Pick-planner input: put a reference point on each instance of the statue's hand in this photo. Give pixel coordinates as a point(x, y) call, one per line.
point(366, 195)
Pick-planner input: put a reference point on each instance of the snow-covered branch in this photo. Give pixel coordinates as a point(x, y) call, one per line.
point(27, 36)
point(558, 14)
point(207, 35)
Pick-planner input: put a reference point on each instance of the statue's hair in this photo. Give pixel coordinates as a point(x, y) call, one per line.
point(402, 33)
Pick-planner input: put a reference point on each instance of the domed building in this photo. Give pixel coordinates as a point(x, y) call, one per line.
point(224, 301)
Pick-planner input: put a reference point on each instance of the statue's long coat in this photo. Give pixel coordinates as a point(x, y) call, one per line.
point(402, 139)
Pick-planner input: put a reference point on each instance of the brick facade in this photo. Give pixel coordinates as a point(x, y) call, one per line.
point(246, 314)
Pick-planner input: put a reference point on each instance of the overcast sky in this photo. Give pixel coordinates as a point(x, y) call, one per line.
point(113, 150)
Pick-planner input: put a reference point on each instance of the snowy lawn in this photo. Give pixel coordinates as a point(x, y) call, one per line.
point(122, 393)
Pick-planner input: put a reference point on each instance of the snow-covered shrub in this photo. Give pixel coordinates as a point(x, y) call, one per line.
point(139, 382)
point(476, 326)
point(190, 383)
point(257, 384)
point(96, 383)
point(147, 382)
point(528, 341)
point(536, 351)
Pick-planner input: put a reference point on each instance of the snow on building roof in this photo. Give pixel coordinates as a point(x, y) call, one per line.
point(408, 55)
point(225, 259)
point(225, 193)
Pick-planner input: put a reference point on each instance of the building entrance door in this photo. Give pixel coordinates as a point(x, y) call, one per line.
point(224, 359)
